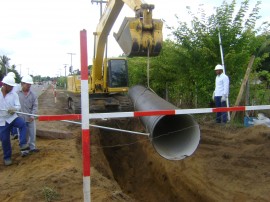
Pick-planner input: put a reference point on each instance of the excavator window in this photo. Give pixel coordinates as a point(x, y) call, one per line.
point(118, 73)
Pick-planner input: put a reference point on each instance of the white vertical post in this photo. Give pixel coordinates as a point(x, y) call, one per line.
point(85, 118)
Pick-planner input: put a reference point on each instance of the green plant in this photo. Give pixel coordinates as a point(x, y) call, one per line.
point(50, 194)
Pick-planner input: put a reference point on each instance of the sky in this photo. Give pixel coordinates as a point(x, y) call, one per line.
point(41, 37)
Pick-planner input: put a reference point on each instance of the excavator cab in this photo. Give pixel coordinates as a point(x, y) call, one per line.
point(117, 75)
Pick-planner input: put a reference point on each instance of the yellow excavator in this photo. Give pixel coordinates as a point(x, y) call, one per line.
point(108, 77)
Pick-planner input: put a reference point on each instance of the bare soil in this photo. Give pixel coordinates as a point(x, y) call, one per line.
point(230, 164)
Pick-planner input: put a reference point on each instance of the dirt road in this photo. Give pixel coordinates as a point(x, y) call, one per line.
point(230, 164)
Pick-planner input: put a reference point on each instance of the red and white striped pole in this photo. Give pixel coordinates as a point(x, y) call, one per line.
point(54, 92)
point(85, 118)
point(54, 96)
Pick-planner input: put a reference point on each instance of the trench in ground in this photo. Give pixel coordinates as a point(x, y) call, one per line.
point(138, 169)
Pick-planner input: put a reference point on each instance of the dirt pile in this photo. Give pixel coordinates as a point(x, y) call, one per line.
point(230, 164)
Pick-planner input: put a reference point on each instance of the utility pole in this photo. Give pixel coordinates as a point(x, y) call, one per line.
point(65, 69)
point(101, 2)
point(71, 60)
point(65, 76)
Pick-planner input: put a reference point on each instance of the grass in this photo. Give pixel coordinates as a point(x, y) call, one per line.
point(50, 194)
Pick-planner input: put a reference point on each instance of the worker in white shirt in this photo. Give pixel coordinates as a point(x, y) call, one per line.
point(221, 92)
point(15, 89)
point(10, 103)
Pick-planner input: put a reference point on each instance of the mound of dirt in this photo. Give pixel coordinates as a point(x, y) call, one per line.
point(230, 164)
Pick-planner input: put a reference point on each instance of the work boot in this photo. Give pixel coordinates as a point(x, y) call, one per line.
point(15, 137)
point(34, 150)
point(7, 162)
point(25, 147)
point(25, 150)
point(24, 153)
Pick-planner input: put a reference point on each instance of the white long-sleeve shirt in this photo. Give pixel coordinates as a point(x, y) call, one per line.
point(11, 100)
point(222, 85)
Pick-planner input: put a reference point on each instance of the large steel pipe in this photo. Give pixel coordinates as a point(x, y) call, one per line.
point(174, 137)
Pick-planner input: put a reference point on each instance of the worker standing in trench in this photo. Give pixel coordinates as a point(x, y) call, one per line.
point(221, 93)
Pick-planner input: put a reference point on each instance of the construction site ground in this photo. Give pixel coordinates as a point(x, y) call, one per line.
point(230, 164)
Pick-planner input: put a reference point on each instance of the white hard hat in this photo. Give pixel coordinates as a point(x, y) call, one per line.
point(11, 74)
point(9, 80)
point(219, 67)
point(27, 79)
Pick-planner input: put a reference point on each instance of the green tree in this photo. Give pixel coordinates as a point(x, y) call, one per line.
point(185, 67)
point(137, 71)
point(263, 53)
point(197, 50)
point(4, 64)
point(61, 81)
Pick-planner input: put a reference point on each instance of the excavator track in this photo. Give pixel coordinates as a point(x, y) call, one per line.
point(110, 103)
point(125, 103)
point(102, 103)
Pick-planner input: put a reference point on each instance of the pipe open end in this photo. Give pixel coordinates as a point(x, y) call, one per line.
point(175, 137)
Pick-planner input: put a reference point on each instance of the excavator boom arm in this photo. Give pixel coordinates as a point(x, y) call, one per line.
point(131, 37)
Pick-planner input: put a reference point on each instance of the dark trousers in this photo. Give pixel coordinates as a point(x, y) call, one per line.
point(5, 135)
point(221, 116)
point(14, 131)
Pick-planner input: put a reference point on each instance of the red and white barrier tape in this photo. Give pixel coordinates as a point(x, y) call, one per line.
point(151, 113)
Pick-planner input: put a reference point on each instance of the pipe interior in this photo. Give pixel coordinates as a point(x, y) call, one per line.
point(175, 137)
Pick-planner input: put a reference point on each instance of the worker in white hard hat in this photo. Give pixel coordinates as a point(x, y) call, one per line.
point(12, 74)
point(221, 92)
point(16, 88)
point(29, 103)
point(8, 119)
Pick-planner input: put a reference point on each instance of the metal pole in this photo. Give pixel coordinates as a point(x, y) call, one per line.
point(65, 69)
point(71, 58)
point(222, 62)
point(221, 50)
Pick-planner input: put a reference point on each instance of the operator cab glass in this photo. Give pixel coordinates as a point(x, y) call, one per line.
point(118, 73)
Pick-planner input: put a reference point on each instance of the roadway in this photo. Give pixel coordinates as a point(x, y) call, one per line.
point(38, 89)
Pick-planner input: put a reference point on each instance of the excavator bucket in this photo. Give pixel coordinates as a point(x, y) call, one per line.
point(135, 40)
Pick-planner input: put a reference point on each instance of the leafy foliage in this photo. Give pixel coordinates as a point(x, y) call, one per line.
point(4, 65)
point(185, 67)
